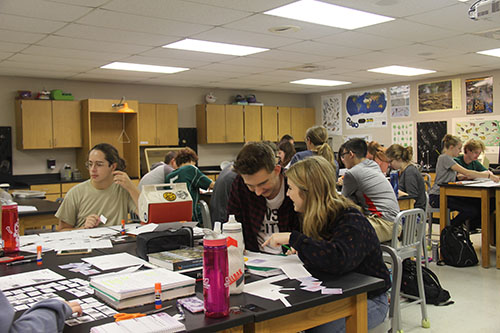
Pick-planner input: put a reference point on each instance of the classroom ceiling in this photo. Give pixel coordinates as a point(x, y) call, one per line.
point(72, 39)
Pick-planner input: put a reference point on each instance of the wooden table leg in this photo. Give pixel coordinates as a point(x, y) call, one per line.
point(485, 228)
point(358, 321)
point(443, 211)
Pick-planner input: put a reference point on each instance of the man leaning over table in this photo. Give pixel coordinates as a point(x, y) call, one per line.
point(109, 193)
point(257, 197)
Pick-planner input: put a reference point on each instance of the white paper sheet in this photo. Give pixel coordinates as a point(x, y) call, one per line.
point(295, 271)
point(25, 209)
point(28, 279)
point(270, 260)
point(113, 261)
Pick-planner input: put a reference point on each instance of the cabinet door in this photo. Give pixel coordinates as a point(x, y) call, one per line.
point(270, 123)
point(302, 119)
point(67, 124)
point(234, 123)
point(253, 123)
point(34, 124)
point(147, 124)
point(284, 122)
point(167, 128)
point(216, 125)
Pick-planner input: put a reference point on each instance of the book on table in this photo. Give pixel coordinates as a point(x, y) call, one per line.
point(138, 288)
point(179, 259)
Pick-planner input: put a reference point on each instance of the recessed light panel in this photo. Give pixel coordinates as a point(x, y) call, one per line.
point(492, 52)
point(214, 47)
point(126, 66)
point(320, 82)
point(327, 14)
point(401, 70)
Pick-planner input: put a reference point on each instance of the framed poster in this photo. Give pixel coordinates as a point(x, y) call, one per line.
point(479, 95)
point(331, 106)
point(484, 128)
point(400, 101)
point(439, 96)
point(367, 109)
point(429, 136)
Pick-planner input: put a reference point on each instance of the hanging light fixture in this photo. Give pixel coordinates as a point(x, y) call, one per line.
point(123, 106)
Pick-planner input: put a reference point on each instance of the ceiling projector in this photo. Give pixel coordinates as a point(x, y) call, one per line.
point(482, 9)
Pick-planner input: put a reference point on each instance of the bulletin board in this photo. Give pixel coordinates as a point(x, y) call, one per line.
point(429, 137)
point(331, 106)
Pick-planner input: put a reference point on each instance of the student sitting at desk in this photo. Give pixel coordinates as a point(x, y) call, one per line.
point(109, 193)
point(377, 153)
point(188, 173)
point(45, 316)
point(365, 185)
point(411, 181)
point(446, 171)
point(336, 238)
point(468, 160)
point(258, 198)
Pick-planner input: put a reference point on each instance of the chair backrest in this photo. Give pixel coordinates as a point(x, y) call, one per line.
point(412, 223)
point(427, 181)
point(205, 214)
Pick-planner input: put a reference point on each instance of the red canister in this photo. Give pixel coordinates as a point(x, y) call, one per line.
point(10, 227)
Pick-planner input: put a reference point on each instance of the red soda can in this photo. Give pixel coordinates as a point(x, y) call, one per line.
point(10, 228)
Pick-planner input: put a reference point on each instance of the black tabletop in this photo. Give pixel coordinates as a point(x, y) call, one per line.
point(43, 206)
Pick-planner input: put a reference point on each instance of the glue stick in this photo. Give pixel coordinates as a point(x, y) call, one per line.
point(157, 295)
point(39, 255)
point(123, 228)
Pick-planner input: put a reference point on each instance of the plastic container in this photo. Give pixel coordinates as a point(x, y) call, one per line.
point(66, 172)
point(235, 248)
point(215, 274)
point(395, 181)
point(10, 223)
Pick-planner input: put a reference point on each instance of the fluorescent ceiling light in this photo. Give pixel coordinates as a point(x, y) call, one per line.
point(401, 70)
point(327, 14)
point(492, 52)
point(319, 82)
point(214, 47)
point(126, 66)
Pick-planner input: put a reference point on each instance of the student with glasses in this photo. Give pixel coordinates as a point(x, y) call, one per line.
point(107, 197)
point(257, 197)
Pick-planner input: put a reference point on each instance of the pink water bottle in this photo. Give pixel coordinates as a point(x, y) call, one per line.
point(215, 274)
point(10, 227)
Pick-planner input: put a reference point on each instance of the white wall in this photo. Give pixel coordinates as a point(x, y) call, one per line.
point(34, 161)
point(383, 135)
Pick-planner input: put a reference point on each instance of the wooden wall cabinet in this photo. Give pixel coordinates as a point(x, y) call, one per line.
point(42, 124)
point(219, 123)
point(158, 124)
point(101, 123)
point(270, 123)
point(301, 119)
point(253, 123)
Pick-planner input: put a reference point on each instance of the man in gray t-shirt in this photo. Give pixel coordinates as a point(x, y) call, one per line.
point(365, 184)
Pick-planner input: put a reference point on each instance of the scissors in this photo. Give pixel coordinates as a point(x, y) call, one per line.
point(125, 316)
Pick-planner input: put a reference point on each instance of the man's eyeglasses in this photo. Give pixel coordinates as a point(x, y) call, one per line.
point(90, 165)
point(344, 153)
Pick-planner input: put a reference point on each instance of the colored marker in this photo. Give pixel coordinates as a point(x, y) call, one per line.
point(157, 295)
point(39, 255)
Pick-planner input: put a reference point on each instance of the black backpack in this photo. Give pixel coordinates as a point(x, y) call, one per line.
point(434, 293)
point(456, 247)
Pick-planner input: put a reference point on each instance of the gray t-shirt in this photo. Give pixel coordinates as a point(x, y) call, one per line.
point(367, 186)
point(220, 195)
point(444, 173)
point(412, 182)
point(156, 176)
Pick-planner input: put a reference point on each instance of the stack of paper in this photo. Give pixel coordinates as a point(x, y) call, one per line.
point(269, 265)
point(157, 323)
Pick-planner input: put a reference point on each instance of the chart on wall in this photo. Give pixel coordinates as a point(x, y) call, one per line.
point(402, 134)
point(484, 128)
point(366, 109)
point(439, 96)
point(479, 95)
point(429, 136)
point(400, 101)
point(331, 106)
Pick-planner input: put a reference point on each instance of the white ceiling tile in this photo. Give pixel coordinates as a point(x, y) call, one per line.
point(343, 63)
point(188, 63)
point(244, 38)
point(423, 50)
point(83, 3)
point(128, 22)
point(5, 55)
point(168, 80)
point(467, 43)
point(27, 24)
point(250, 5)
point(19, 37)
point(408, 31)
point(161, 52)
point(77, 54)
point(322, 49)
point(267, 63)
point(46, 66)
point(90, 45)
point(112, 73)
point(114, 35)
point(211, 75)
point(471, 59)
point(377, 59)
point(223, 67)
point(43, 9)
point(362, 41)
point(43, 59)
point(34, 73)
point(12, 47)
point(178, 10)
point(261, 23)
point(453, 18)
point(102, 78)
point(290, 56)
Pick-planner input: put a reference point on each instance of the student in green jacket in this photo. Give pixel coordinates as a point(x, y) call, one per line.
point(468, 160)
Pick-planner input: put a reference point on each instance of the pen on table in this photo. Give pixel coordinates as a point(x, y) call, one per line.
point(19, 262)
point(11, 259)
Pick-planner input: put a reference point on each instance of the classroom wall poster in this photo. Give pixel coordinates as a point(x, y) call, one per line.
point(400, 101)
point(331, 106)
point(439, 96)
point(366, 109)
point(479, 95)
point(402, 134)
point(484, 128)
point(429, 136)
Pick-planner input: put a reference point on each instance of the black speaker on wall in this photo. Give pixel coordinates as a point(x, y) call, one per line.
point(5, 151)
point(188, 138)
